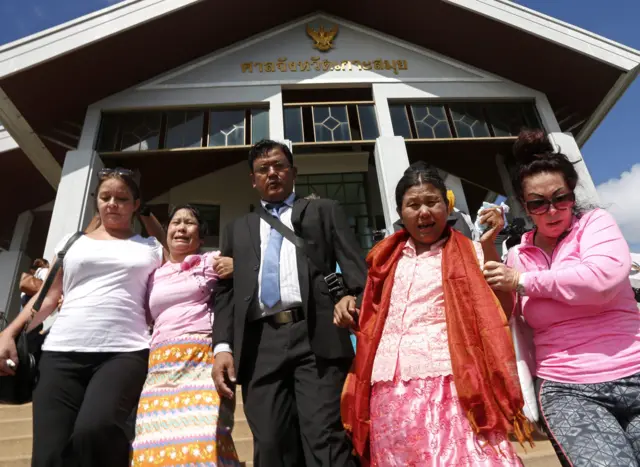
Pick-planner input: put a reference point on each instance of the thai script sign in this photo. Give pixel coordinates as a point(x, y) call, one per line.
point(317, 64)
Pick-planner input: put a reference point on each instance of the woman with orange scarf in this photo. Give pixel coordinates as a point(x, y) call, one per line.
point(434, 382)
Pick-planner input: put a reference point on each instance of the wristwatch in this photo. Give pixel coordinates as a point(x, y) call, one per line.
point(145, 211)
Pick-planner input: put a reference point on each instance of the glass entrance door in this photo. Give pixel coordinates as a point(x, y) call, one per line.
point(350, 190)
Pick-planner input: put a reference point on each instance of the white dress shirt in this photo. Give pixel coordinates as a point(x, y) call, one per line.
point(290, 295)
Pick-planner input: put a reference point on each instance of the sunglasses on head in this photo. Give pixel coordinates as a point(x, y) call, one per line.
point(118, 171)
point(560, 202)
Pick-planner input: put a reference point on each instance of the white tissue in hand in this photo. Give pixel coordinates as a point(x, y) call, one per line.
point(482, 227)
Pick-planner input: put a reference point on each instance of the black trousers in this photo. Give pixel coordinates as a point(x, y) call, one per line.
point(292, 400)
point(81, 406)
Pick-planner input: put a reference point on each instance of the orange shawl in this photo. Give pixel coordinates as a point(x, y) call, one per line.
point(482, 355)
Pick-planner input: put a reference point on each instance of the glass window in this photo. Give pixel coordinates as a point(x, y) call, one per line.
point(531, 119)
point(431, 121)
point(469, 121)
point(140, 131)
point(184, 129)
point(507, 119)
point(210, 214)
point(400, 120)
point(293, 124)
point(226, 128)
point(259, 125)
point(349, 190)
point(352, 177)
point(368, 122)
point(319, 189)
point(302, 190)
point(337, 192)
point(331, 123)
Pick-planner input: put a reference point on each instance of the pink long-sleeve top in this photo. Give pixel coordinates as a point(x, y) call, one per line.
point(179, 296)
point(580, 304)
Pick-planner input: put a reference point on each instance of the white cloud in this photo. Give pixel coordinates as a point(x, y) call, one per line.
point(621, 197)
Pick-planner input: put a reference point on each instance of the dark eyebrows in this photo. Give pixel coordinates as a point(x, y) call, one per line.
point(554, 193)
point(419, 199)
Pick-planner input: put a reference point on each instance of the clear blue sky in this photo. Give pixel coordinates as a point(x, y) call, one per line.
point(611, 151)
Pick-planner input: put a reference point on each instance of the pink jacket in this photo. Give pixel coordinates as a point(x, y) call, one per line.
point(580, 304)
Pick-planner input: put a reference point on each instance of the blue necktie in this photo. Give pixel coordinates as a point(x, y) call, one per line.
point(270, 285)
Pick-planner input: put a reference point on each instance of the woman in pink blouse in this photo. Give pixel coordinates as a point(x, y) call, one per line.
point(180, 419)
point(403, 406)
point(572, 275)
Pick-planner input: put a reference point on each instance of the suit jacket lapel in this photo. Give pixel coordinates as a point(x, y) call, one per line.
point(299, 207)
point(253, 222)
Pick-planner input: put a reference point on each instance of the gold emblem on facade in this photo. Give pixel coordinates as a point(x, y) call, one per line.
point(323, 38)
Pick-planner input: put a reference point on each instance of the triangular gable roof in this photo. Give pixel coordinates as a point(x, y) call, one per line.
point(285, 55)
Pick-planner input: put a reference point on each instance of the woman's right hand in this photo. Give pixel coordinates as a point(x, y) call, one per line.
point(8, 351)
point(224, 267)
point(501, 277)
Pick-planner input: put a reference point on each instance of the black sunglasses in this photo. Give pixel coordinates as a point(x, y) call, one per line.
point(560, 202)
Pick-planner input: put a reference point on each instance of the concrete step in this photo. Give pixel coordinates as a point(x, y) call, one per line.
point(15, 439)
point(15, 446)
point(542, 455)
point(18, 461)
point(13, 412)
point(242, 437)
point(241, 429)
point(244, 448)
point(15, 427)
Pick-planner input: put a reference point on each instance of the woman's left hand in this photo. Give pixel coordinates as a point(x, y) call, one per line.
point(224, 267)
point(500, 277)
point(493, 218)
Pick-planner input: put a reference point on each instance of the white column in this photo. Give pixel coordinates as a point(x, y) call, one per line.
point(73, 208)
point(391, 162)
point(21, 231)
point(515, 207)
point(12, 263)
point(454, 184)
point(276, 117)
point(382, 110)
point(90, 129)
point(566, 144)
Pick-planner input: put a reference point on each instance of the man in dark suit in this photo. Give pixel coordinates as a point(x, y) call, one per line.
point(273, 327)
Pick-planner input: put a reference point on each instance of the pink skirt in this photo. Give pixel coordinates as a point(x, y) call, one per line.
point(421, 423)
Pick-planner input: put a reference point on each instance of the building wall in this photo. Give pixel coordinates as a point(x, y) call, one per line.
point(231, 189)
point(255, 71)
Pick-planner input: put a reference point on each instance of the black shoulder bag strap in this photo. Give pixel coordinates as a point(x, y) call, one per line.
point(333, 280)
point(285, 231)
point(52, 275)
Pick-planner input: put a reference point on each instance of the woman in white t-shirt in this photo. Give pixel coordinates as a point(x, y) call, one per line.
point(94, 359)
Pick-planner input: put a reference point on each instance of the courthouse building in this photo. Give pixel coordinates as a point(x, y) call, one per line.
point(179, 89)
